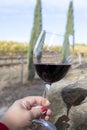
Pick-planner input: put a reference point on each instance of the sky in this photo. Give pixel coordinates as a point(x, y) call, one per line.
point(16, 18)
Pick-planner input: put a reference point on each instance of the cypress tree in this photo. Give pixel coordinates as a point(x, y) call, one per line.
point(37, 27)
point(70, 20)
point(65, 49)
point(69, 31)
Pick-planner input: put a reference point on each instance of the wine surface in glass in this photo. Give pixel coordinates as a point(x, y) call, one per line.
point(51, 73)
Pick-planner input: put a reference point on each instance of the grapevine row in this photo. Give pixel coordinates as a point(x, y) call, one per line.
point(9, 48)
point(12, 48)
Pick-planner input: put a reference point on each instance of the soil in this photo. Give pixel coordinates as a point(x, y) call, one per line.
point(11, 93)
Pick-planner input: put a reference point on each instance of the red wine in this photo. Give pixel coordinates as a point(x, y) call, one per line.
point(52, 72)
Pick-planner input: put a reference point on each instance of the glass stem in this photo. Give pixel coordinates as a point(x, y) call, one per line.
point(47, 87)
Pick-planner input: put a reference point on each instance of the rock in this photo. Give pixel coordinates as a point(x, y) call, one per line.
point(77, 118)
point(73, 96)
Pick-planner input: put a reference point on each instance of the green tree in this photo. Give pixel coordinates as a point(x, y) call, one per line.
point(69, 31)
point(65, 49)
point(37, 27)
point(70, 20)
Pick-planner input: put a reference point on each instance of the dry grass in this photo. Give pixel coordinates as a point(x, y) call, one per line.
point(12, 75)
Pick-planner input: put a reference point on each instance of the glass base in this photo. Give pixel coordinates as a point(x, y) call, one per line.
point(46, 125)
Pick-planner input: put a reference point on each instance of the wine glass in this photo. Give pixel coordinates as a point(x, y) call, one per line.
point(52, 58)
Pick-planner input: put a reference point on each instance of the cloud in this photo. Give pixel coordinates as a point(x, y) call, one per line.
point(63, 4)
point(10, 2)
point(80, 4)
point(17, 2)
point(16, 6)
point(56, 3)
point(59, 4)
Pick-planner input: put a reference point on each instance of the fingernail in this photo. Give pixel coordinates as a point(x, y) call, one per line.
point(45, 102)
point(43, 108)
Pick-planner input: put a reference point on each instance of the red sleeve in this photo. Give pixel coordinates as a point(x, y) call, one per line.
point(3, 127)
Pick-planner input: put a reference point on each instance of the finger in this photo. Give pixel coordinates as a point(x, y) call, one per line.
point(46, 114)
point(31, 100)
point(46, 118)
point(49, 112)
point(40, 111)
point(36, 112)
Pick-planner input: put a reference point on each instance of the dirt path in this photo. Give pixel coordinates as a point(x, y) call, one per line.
point(9, 94)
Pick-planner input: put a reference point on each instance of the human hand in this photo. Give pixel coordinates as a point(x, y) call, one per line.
point(23, 111)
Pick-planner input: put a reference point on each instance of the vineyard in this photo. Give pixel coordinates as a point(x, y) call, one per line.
point(12, 48)
point(9, 48)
